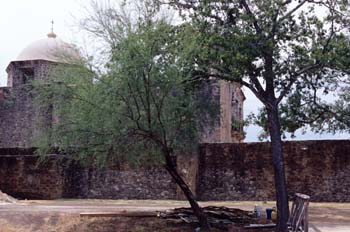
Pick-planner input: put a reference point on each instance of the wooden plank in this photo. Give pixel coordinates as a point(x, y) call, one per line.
point(120, 214)
point(256, 226)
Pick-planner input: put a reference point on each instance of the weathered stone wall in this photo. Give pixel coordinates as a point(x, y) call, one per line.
point(22, 72)
point(58, 177)
point(227, 98)
point(126, 183)
point(237, 122)
point(320, 169)
point(16, 118)
point(22, 177)
point(21, 121)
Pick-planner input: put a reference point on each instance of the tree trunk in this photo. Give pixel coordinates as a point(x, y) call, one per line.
point(197, 210)
point(278, 164)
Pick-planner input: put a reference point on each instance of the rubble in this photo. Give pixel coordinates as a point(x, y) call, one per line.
point(4, 198)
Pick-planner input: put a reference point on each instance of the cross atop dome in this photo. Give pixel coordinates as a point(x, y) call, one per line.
point(52, 34)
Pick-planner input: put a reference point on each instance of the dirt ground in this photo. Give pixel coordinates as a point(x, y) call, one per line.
point(64, 215)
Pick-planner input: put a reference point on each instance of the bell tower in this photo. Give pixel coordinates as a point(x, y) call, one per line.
point(228, 126)
point(21, 120)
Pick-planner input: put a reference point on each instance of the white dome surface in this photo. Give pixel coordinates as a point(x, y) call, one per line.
point(50, 49)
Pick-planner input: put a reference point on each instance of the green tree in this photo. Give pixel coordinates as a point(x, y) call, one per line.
point(278, 49)
point(325, 112)
point(143, 109)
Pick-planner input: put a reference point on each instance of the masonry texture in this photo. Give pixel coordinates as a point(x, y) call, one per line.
point(22, 176)
point(21, 121)
point(126, 183)
point(228, 126)
point(320, 169)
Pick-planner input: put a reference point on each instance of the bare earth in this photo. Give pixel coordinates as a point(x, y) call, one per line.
point(64, 215)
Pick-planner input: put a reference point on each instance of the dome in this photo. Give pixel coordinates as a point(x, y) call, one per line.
point(50, 49)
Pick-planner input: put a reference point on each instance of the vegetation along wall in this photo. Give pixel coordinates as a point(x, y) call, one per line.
point(243, 171)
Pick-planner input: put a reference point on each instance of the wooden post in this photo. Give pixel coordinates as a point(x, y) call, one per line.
point(306, 219)
point(298, 220)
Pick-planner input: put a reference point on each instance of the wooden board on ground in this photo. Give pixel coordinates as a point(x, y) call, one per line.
point(121, 214)
point(257, 226)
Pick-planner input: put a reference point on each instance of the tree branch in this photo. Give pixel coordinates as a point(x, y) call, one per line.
point(250, 13)
point(294, 78)
point(292, 11)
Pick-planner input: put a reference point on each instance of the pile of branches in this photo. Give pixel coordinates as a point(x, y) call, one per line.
point(218, 217)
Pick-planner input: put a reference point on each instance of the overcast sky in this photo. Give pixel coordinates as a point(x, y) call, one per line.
point(24, 21)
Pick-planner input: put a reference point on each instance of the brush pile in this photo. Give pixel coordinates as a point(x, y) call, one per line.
point(217, 216)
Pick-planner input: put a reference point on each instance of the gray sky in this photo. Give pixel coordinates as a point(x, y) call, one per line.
point(23, 21)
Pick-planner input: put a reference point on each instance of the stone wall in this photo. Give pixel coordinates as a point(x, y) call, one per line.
point(59, 177)
point(125, 183)
point(21, 121)
point(227, 98)
point(16, 117)
point(23, 178)
point(320, 169)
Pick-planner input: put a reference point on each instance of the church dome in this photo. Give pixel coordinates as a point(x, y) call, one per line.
point(50, 49)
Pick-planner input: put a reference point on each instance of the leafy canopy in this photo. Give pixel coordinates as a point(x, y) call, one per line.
point(143, 103)
point(294, 52)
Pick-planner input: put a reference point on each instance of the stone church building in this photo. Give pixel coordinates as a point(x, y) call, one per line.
point(21, 121)
point(222, 169)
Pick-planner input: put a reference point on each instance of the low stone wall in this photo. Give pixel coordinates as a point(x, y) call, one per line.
point(320, 169)
point(23, 178)
point(125, 183)
point(58, 177)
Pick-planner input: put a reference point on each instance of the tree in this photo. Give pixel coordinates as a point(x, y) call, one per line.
point(142, 109)
point(278, 49)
